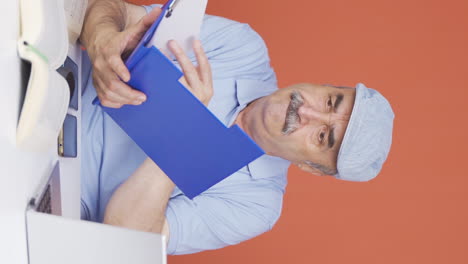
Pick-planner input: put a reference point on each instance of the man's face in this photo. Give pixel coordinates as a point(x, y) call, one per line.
point(303, 122)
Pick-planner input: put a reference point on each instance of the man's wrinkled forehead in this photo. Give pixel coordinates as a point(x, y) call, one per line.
point(339, 87)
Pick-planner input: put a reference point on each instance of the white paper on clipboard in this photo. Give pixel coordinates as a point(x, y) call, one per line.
point(183, 25)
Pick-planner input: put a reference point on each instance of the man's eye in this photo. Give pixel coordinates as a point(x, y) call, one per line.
point(329, 103)
point(322, 137)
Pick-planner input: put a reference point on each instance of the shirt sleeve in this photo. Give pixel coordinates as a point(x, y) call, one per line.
point(226, 214)
point(235, 50)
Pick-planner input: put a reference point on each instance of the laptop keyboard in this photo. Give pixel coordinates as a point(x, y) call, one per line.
point(45, 204)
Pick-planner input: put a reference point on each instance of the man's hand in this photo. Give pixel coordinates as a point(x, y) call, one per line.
point(197, 79)
point(105, 48)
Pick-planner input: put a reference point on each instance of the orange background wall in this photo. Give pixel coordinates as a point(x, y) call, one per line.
point(415, 52)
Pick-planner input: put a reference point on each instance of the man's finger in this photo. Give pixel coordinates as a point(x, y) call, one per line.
point(134, 33)
point(118, 92)
point(190, 72)
point(149, 18)
point(105, 94)
point(139, 29)
point(110, 104)
point(118, 66)
point(203, 63)
point(130, 95)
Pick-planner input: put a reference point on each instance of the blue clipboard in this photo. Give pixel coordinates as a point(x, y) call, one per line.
point(174, 128)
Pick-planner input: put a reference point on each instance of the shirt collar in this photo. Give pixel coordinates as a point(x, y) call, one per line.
point(248, 91)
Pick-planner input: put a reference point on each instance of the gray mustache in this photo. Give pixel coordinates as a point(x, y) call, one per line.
point(293, 119)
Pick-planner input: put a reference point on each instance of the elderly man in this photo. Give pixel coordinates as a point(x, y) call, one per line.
point(323, 129)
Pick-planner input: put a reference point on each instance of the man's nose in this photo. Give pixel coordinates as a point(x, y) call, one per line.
point(309, 114)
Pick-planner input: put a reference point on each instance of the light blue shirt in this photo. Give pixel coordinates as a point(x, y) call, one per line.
point(242, 206)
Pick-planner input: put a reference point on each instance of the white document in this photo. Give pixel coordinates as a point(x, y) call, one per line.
point(183, 25)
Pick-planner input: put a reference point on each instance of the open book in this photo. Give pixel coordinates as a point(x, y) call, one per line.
point(43, 43)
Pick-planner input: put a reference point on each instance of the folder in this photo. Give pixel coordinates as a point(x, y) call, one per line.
point(174, 128)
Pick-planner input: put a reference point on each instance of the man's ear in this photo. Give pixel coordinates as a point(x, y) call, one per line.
point(309, 169)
